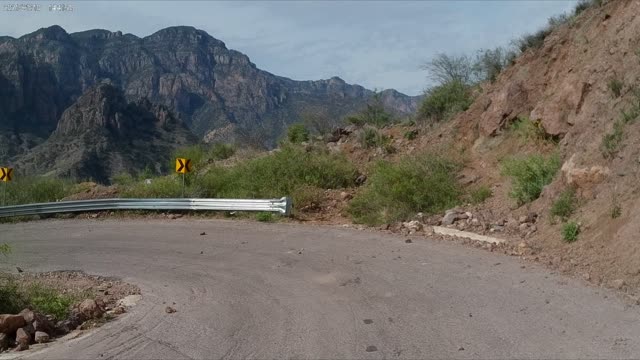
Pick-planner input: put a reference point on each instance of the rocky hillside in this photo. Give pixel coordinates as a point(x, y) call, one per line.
point(580, 92)
point(209, 86)
point(101, 134)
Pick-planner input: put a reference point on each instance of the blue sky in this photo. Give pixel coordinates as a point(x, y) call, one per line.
point(378, 44)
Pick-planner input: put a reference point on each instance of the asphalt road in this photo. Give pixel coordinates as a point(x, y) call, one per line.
point(292, 291)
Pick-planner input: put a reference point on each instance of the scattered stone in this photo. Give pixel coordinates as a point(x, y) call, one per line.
point(23, 338)
point(4, 342)
point(408, 241)
point(385, 226)
point(413, 226)
point(460, 348)
point(172, 217)
point(361, 179)
point(169, 310)
point(63, 327)
point(344, 196)
point(371, 348)
point(90, 309)
point(465, 234)
point(203, 233)
point(367, 321)
point(19, 269)
point(118, 310)
point(523, 219)
point(41, 337)
point(586, 276)
point(617, 284)
point(10, 323)
point(475, 222)
point(524, 226)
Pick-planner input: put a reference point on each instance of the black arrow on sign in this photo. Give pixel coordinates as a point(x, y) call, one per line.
point(187, 164)
point(181, 165)
point(9, 173)
point(3, 174)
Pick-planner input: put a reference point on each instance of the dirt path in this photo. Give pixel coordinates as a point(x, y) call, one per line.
point(253, 290)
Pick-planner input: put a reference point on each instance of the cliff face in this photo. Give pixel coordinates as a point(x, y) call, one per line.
point(102, 134)
point(185, 69)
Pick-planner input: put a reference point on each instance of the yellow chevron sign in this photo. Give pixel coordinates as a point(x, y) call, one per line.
point(183, 166)
point(6, 174)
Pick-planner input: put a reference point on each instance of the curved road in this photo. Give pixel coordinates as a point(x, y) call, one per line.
point(293, 291)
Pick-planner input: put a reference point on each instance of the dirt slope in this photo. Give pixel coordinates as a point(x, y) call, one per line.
point(565, 85)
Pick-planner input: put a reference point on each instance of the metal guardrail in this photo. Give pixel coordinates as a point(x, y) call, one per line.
point(282, 206)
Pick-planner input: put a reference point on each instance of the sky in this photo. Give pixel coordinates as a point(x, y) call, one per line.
point(377, 44)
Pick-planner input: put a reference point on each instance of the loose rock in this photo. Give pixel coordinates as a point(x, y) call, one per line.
point(90, 309)
point(617, 284)
point(41, 337)
point(23, 338)
point(169, 310)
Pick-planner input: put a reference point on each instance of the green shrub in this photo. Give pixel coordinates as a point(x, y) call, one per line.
point(490, 63)
point(565, 204)
point(616, 211)
point(222, 151)
point(307, 197)
point(279, 174)
point(480, 194)
point(373, 114)
point(372, 138)
point(48, 301)
point(529, 175)
point(26, 190)
point(5, 249)
point(410, 134)
point(612, 142)
point(442, 102)
point(14, 298)
point(265, 217)
point(570, 231)
point(297, 133)
point(616, 85)
point(397, 191)
point(533, 41)
point(528, 130)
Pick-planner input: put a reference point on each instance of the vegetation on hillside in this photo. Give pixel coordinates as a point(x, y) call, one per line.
point(397, 191)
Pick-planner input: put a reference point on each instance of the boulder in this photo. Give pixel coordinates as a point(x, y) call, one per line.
point(23, 338)
point(41, 337)
point(9, 324)
point(413, 226)
point(584, 179)
point(90, 309)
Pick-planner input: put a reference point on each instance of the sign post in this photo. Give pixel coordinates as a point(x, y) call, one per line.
point(6, 175)
point(183, 166)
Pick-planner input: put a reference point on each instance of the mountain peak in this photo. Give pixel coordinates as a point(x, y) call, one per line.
point(54, 32)
point(182, 34)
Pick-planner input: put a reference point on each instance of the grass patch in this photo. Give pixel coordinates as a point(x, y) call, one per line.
point(616, 85)
point(222, 151)
point(279, 174)
point(14, 298)
point(529, 175)
point(37, 190)
point(166, 187)
point(398, 191)
point(570, 231)
point(265, 217)
point(372, 138)
point(612, 142)
point(565, 204)
point(480, 194)
point(528, 130)
point(307, 197)
point(410, 134)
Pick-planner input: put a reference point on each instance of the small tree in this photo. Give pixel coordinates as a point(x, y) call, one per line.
point(445, 68)
point(297, 133)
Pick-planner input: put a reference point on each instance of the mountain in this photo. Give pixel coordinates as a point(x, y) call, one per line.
point(214, 90)
point(101, 134)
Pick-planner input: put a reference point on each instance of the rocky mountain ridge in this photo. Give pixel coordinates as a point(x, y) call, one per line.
point(196, 76)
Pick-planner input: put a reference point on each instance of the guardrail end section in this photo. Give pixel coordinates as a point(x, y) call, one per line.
point(288, 205)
